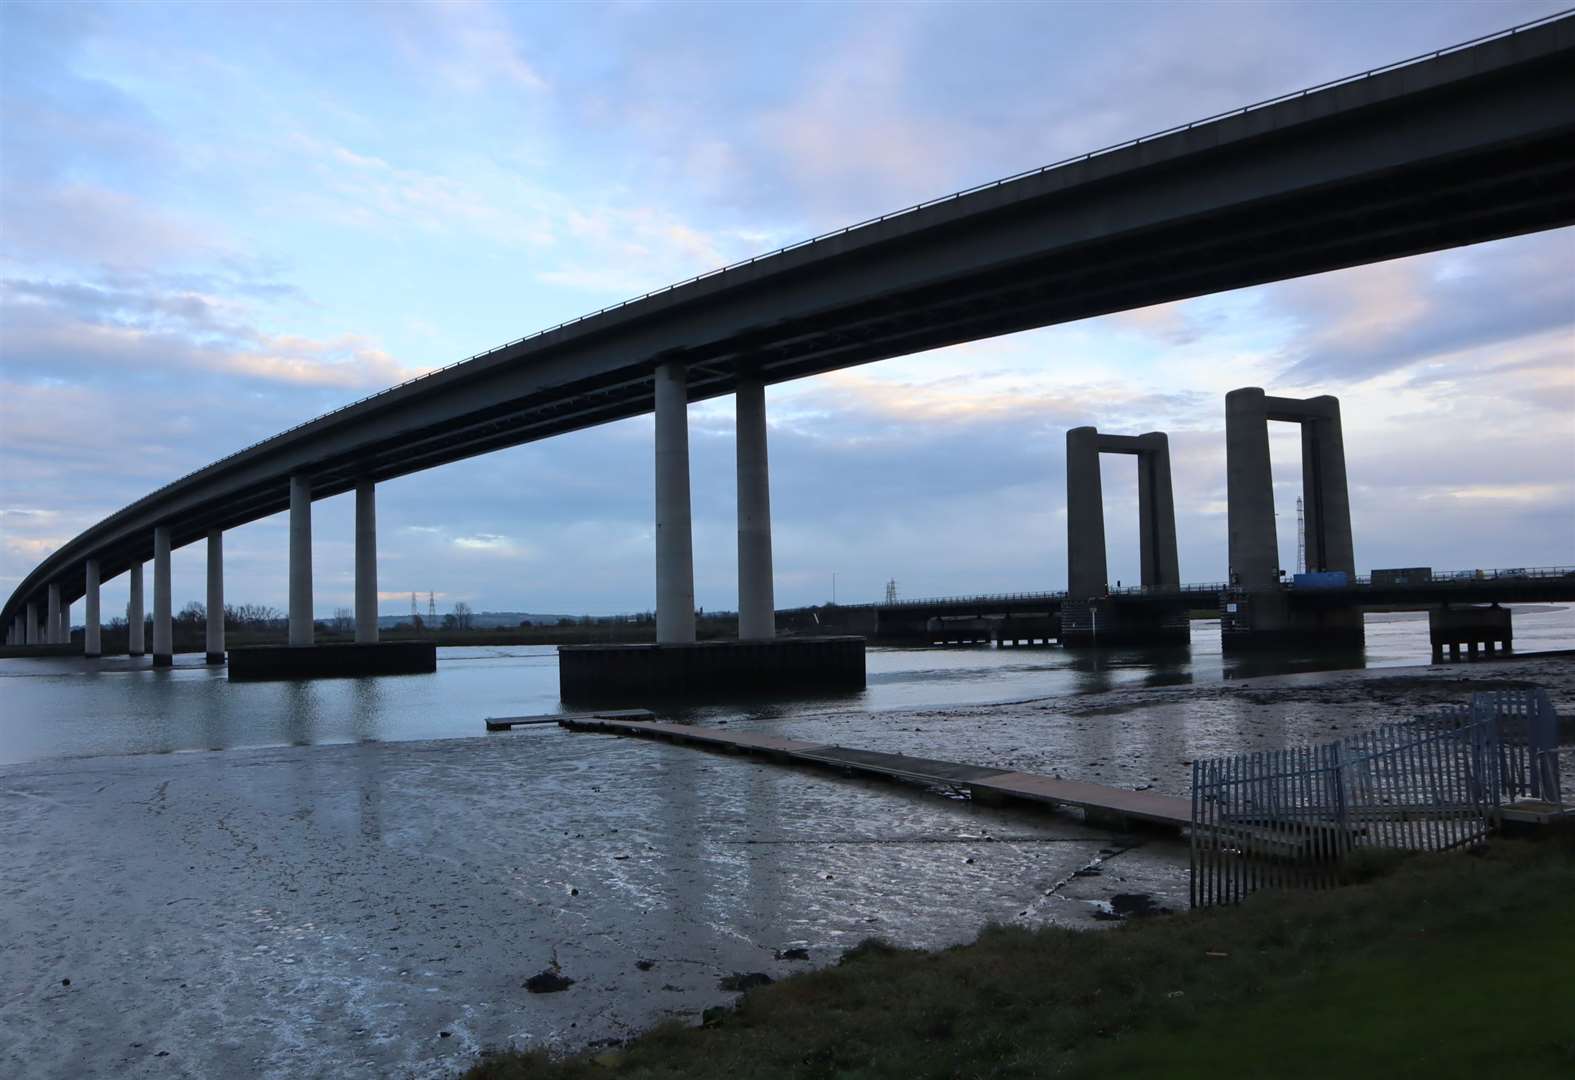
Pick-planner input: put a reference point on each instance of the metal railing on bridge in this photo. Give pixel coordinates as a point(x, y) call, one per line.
point(978, 598)
point(1290, 818)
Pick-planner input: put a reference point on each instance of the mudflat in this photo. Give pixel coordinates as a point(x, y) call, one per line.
point(378, 909)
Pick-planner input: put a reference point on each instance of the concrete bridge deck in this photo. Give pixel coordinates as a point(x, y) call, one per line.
point(1101, 805)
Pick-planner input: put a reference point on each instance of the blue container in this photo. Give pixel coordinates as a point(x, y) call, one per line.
point(1323, 579)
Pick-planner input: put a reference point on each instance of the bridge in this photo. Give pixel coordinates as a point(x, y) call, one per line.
point(1469, 144)
point(1035, 616)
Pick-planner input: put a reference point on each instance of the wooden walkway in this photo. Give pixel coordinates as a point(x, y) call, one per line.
point(509, 723)
point(1104, 806)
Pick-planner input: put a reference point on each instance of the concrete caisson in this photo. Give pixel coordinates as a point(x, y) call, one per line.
point(348, 660)
point(633, 674)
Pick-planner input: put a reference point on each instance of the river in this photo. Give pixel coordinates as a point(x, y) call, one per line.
point(361, 880)
point(76, 708)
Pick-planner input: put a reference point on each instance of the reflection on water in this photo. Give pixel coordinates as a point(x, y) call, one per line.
point(68, 707)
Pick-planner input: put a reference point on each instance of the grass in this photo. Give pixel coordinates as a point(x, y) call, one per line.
point(1438, 966)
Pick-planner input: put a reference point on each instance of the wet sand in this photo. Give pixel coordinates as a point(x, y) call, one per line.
point(335, 910)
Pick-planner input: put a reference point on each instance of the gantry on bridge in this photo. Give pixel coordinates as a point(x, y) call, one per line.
point(1468, 144)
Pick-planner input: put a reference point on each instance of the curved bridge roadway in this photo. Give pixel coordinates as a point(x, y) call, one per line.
point(1467, 145)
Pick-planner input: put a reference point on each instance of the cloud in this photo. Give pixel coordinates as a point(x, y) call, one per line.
point(469, 45)
point(77, 329)
point(88, 222)
point(488, 544)
point(1372, 319)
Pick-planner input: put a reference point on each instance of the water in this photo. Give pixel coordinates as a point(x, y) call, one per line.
point(373, 908)
point(71, 708)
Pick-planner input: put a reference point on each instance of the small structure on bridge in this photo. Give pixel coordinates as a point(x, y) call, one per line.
point(1258, 614)
point(1090, 616)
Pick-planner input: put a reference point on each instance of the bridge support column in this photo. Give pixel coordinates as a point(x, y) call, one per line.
point(52, 618)
point(92, 641)
point(1327, 499)
point(1249, 486)
point(163, 629)
point(215, 630)
point(756, 597)
point(1160, 566)
point(1086, 573)
point(675, 570)
point(301, 628)
point(1089, 616)
point(18, 633)
point(33, 636)
point(365, 561)
point(136, 643)
point(1259, 613)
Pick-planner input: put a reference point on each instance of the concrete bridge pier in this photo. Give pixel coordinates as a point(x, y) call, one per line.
point(52, 618)
point(92, 640)
point(302, 657)
point(17, 635)
point(215, 629)
point(1159, 564)
point(675, 567)
point(365, 561)
point(1449, 627)
point(1258, 612)
point(1086, 574)
point(33, 636)
point(163, 628)
point(135, 636)
point(677, 665)
point(302, 631)
point(756, 595)
point(1087, 618)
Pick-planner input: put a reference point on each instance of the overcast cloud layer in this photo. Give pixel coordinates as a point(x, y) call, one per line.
point(217, 221)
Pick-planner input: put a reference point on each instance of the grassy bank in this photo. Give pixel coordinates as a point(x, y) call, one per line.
point(1451, 965)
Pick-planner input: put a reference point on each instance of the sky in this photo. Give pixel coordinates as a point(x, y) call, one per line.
point(220, 220)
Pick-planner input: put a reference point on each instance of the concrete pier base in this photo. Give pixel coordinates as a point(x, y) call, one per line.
point(1125, 621)
point(1490, 629)
point(259, 662)
point(707, 670)
point(1267, 621)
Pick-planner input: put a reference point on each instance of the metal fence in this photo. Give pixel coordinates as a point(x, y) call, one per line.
point(1290, 818)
